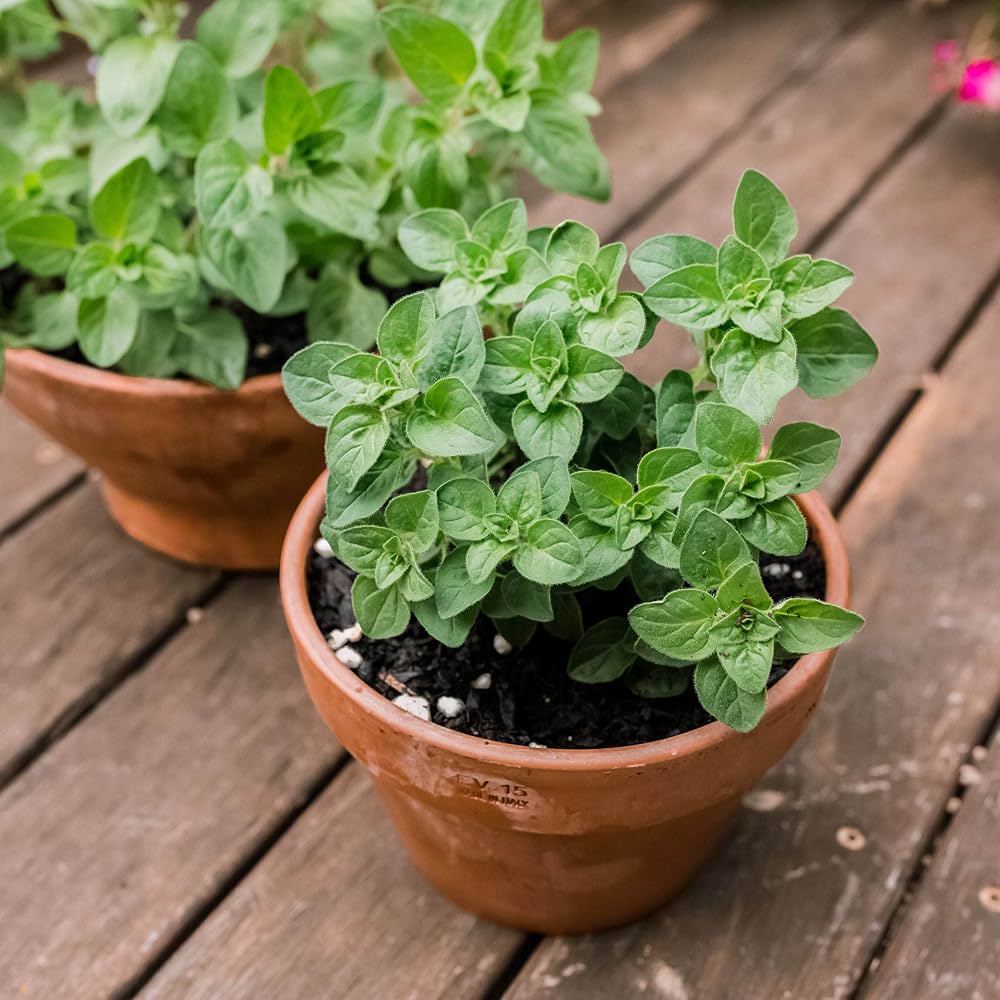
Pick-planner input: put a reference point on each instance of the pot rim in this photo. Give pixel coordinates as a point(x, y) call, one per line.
point(87, 376)
point(302, 533)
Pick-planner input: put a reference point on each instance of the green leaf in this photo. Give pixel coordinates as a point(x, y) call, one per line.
point(690, 297)
point(560, 150)
point(227, 189)
point(515, 35)
point(428, 238)
point(661, 255)
point(415, 517)
point(504, 227)
point(618, 413)
point(451, 421)
point(355, 439)
point(43, 244)
point(526, 598)
point(677, 468)
point(305, 377)
point(451, 632)
point(463, 506)
point(592, 375)
point(153, 351)
point(556, 432)
point(361, 547)
point(107, 327)
point(649, 680)
point(777, 527)
point(554, 483)
point(810, 285)
point(53, 321)
point(199, 105)
point(763, 218)
point(675, 406)
point(381, 614)
point(721, 698)
point(485, 556)
point(569, 245)
point(600, 495)
point(239, 33)
point(703, 494)
point(746, 661)
point(214, 349)
point(507, 365)
point(725, 436)
point(132, 79)
point(567, 618)
point(616, 331)
point(127, 208)
point(549, 553)
point(740, 268)
point(812, 449)
point(600, 555)
point(340, 199)
point(679, 625)
point(436, 54)
point(290, 112)
point(457, 348)
point(404, 334)
point(711, 551)
point(391, 471)
point(754, 374)
point(763, 319)
point(252, 258)
point(93, 272)
point(603, 653)
point(520, 498)
point(455, 590)
point(344, 309)
point(659, 545)
point(809, 626)
point(834, 352)
point(744, 587)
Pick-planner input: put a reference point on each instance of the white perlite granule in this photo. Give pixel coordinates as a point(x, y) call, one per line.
point(483, 682)
point(415, 705)
point(322, 548)
point(450, 708)
point(501, 645)
point(350, 657)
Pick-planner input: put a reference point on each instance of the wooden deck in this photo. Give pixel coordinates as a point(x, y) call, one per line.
point(176, 822)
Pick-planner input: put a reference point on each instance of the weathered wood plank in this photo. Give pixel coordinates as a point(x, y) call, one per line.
point(337, 910)
point(78, 602)
point(32, 468)
point(124, 831)
point(798, 902)
point(948, 944)
point(659, 122)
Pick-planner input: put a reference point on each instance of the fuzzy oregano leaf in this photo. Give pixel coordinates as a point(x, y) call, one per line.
point(721, 697)
point(602, 653)
point(711, 551)
point(763, 218)
point(806, 625)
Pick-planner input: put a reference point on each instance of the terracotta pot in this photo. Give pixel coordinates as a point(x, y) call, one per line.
point(553, 841)
point(206, 476)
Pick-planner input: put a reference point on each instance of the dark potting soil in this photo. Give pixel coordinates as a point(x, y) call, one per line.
point(531, 698)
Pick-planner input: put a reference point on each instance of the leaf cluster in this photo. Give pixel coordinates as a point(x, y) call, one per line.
point(552, 474)
point(265, 164)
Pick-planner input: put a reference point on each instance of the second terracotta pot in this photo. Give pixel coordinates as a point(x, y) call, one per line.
point(206, 476)
point(553, 841)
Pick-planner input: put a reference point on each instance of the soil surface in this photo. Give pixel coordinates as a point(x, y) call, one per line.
point(530, 699)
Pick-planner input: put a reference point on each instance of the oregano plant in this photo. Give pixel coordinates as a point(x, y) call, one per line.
point(496, 459)
point(258, 171)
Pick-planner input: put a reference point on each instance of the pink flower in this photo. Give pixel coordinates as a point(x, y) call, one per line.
point(981, 84)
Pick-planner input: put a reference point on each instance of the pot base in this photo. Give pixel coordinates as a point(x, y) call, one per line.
point(222, 539)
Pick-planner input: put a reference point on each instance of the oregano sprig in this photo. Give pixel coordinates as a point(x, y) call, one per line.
point(591, 490)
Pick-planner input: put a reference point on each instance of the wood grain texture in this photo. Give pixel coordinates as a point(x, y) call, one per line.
point(948, 943)
point(788, 910)
point(123, 831)
point(337, 910)
point(32, 468)
point(659, 122)
point(78, 603)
